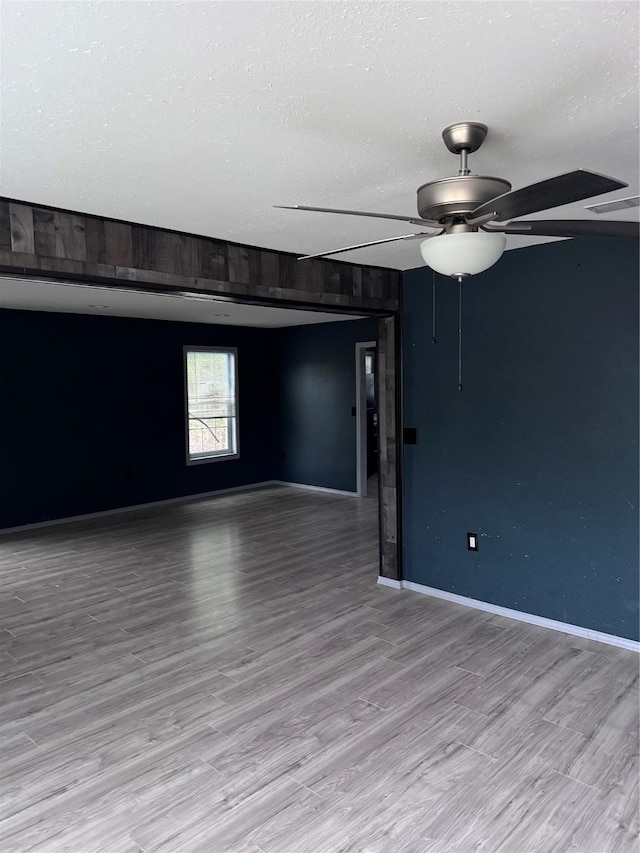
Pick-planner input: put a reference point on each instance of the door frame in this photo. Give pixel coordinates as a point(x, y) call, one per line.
point(361, 416)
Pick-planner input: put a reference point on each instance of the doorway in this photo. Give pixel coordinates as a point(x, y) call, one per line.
point(115, 254)
point(367, 420)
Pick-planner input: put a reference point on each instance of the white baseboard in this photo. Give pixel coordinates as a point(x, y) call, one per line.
point(390, 582)
point(314, 488)
point(106, 512)
point(518, 615)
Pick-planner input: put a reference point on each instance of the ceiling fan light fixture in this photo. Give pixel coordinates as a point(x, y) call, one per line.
point(463, 254)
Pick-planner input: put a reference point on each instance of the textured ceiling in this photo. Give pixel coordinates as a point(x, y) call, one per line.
point(200, 116)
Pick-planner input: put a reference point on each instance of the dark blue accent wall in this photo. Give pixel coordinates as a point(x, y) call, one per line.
point(93, 413)
point(538, 453)
point(317, 430)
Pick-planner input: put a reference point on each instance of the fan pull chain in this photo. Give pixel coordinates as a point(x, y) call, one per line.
point(433, 306)
point(459, 334)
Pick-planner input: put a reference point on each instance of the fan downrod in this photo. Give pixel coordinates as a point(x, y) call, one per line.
point(459, 196)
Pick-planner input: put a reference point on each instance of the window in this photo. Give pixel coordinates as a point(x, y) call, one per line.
point(211, 381)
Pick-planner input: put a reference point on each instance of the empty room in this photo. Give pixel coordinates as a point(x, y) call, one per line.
point(319, 484)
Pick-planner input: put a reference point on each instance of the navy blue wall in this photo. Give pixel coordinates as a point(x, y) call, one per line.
point(317, 430)
point(93, 413)
point(93, 410)
point(538, 453)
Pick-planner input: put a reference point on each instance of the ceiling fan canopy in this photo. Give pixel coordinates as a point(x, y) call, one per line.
point(464, 210)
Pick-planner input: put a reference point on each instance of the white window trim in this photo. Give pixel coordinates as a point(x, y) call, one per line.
point(213, 457)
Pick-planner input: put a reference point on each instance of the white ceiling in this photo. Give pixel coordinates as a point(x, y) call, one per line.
point(199, 116)
point(34, 295)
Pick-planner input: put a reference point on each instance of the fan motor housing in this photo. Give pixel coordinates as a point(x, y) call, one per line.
point(457, 195)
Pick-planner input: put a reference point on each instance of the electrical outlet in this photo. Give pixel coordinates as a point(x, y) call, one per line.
point(472, 541)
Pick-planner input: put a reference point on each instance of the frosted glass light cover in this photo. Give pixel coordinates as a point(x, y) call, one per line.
point(463, 254)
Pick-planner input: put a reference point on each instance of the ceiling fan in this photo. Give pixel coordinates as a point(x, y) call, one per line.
point(464, 210)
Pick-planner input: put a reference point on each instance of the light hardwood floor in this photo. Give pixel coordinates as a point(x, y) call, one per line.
point(225, 675)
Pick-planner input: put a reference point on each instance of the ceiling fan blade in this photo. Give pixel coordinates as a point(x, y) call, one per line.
point(372, 243)
point(572, 228)
point(414, 220)
point(563, 189)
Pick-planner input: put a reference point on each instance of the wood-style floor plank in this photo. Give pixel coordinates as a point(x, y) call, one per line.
point(225, 676)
